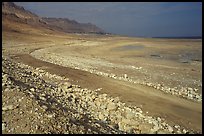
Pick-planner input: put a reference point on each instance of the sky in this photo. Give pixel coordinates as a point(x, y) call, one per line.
point(142, 19)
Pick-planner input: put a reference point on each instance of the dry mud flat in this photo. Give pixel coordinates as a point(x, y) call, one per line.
point(47, 103)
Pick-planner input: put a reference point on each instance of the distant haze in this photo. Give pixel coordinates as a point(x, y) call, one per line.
point(156, 19)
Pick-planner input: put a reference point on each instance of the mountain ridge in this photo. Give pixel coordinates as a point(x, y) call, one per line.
point(14, 14)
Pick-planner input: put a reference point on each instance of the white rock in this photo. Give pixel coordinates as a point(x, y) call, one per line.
point(44, 107)
point(184, 131)
point(9, 107)
point(101, 116)
point(170, 129)
point(43, 98)
point(3, 126)
point(32, 89)
point(50, 115)
point(159, 119)
point(111, 106)
point(121, 126)
point(177, 126)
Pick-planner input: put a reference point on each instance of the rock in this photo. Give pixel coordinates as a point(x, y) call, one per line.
point(3, 126)
point(163, 132)
point(111, 106)
point(195, 89)
point(9, 107)
point(159, 119)
point(138, 109)
point(5, 77)
point(190, 89)
point(6, 90)
point(128, 128)
point(50, 115)
point(101, 116)
point(145, 128)
point(116, 99)
point(185, 131)
point(177, 126)
point(68, 84)
point(125, 75)
point(155, 128)
point(32, 96)
point(170, 129)
point(32, 89)
point(130, 115)
point(65, 86)
point(98, 103)
point(121, 126)
point(126, 121)
point(44, 107)
point(43, 98)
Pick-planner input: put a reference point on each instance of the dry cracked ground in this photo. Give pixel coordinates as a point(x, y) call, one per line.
point(100, 84)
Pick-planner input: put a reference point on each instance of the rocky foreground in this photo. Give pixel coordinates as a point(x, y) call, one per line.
point(35, 101)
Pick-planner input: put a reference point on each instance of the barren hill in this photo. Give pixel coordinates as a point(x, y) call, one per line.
point(14, 16)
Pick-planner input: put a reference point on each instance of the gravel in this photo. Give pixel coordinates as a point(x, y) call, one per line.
point(60, 107)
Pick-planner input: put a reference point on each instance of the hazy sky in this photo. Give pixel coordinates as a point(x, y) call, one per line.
point(128, 18)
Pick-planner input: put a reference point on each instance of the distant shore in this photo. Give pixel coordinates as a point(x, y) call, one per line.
point(190, 37)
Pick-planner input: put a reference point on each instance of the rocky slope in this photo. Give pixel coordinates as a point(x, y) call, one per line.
point(70, 26)
point(35, 101)
point(13, 14)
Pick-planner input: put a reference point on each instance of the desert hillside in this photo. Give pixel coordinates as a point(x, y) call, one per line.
point(12, 14)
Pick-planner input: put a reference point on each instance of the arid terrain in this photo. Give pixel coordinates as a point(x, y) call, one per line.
point(57, 82)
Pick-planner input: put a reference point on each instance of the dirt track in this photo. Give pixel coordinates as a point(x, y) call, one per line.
point(156, 103)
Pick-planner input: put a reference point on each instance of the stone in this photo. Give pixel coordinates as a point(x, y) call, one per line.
point(138, 109)
point(101, 116)
point(190, 89)
point(177, 126)
point(145, 128)
point(5, 77)
point(116, 99)
point(156, 128)
point(128, 128)
point(130, 115)
point(159, 119)
point(43, 98)
point(44, 107)
point(195, 89)
point(32, 89)
point(6, 90)
point(3, 126)
point(98, 103)
point(163, 132)
point(170, 129)
point(50, 115)
point(68, 84)
point(111, 106)
point(185, 131)
point(9, 107)
point(121, 126)
point(32, 96)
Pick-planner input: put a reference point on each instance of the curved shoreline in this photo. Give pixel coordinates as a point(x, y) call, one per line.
point(183, 92)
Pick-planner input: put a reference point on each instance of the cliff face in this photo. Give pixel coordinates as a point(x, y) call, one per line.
point(13, 15)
